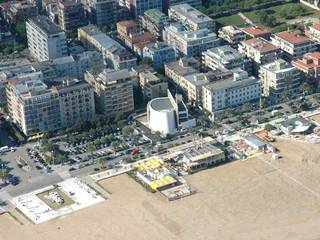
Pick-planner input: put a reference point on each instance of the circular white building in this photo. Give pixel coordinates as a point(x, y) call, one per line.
point(161, 115)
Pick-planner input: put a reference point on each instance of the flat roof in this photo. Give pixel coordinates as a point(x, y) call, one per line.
point(190, 13)
point(200, 152)
point(46, 25)
point(293, 36)
point(261, 45)
point(160, 104)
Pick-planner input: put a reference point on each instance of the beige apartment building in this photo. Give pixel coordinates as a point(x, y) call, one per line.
point(113, 90)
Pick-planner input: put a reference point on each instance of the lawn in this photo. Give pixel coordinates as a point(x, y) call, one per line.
point(234, 20)
point(277, 13)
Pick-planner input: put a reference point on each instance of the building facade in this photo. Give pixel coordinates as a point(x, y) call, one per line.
point(231, 91)
point(115, 55)
point(231, 35)
point(113, 90)
point(279, 80)
point(293, 43)
point(45, 39)
point(226, 57)
point(260, 51)
point(154, 21)
point(160, 53)
point(71, 15)
point(152, 86)
point(33, 107)
point(76, 100)
point(102, 12)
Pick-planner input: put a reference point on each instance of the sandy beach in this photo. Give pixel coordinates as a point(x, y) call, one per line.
point(257, 198)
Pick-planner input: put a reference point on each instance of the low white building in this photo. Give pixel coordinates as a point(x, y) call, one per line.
point(232, 91)
point(167, 115)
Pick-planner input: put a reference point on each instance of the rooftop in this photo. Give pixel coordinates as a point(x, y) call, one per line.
point(190, 13)
point(256, 31)
point(260, 45)
point(239, 79)
point(201, 152)
point(112, 76)
point(316, 26)
point(156, 15)
point(293, 36)
point(279, 65)
point(161, 104)
point(225, 52)
point(44, 23)
point(309, 60)
point(184, 66)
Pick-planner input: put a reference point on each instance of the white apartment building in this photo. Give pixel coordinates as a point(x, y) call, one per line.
point(260, 51)
point(231, 35)
point(114, 54)
point(231, 91)
point(293, 43)
point(189, 43)
point(45, 39)
point(190, 17)
point(225, 57)
point(314, 32)
point(278, 78)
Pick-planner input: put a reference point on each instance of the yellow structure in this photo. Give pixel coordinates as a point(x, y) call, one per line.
point(152, 172)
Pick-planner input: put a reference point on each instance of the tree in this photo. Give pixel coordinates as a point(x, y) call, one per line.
point(268, 127)
point(146, 60)
point(91, 147)
point(114, 146)
point(127, 131)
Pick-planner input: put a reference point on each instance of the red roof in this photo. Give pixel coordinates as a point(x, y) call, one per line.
point(256, 31)
point(293, 36)
point(261, 44)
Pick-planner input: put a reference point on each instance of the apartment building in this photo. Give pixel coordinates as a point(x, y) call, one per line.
point(102, 12)
point(130, 34)
point(260, 51)
point(19, 11)
point(114, 54)
point(193, 3)
point(279, 78)
point(313, 32)
point(190, 17)
point(230, 91)
point(232, 35)
point(32, 106)
point(160, 53)
point(154, 21)
point(226, 57)
point(113, 90)
point(189, 43)
point(257, 32)
point(152, 85)
point(71, 15)
point(76, 100)
point(45, 39)
point(309, 65)
point(182, 67)
point(138, 7)
point(293, 43)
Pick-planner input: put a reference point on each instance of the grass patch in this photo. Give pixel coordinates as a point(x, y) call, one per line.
point(281, 15)
point(234, 20)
